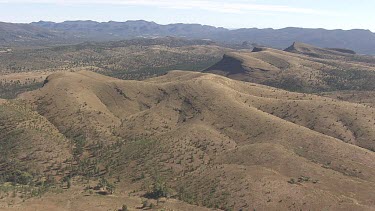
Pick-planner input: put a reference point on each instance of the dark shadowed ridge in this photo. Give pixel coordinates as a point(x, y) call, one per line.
point(229, 65)
point(300, 67)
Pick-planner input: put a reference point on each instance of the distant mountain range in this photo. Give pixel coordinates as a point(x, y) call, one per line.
point(42, 32)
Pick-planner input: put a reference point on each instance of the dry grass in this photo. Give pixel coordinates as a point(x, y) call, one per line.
point(218, 142)
point(304, 69)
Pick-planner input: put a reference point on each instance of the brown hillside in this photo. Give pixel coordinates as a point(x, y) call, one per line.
point(303, 48)
point(223, 143)
point(30, 144)
point(362, 97)
point(301, 68)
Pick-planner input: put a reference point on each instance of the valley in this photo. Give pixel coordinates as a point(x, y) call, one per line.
point(25, 69)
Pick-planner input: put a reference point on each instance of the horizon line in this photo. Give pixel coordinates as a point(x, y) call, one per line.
point(166, 24)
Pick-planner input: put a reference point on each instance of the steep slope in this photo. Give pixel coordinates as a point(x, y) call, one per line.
point(218, 142)
point(31, 147)
point(300, 67)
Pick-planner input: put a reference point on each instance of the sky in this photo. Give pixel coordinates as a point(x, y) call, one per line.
point(329, 14)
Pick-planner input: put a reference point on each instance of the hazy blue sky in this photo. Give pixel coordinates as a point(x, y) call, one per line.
point(331, 14)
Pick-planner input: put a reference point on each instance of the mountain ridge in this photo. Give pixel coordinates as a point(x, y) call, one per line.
point(300, 67)
point(359, 40)
point(216, 140)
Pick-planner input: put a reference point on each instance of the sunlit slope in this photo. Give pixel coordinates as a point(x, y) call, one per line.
point(221, 142)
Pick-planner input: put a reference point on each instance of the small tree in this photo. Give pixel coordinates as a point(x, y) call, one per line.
point(159, 189)
point(110, 187)
point(68, 185)
point(124, 208)
point(103, 183)
point(22, 177)
point(68, 182)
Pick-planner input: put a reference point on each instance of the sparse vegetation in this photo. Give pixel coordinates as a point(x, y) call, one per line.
point(10, 90)
point(308, 69)
point(159, 189)
point(185, 139)
point(144, 58)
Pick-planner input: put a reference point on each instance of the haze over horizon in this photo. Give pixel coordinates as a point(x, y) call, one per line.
point(145, 105)
point(333, 14)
